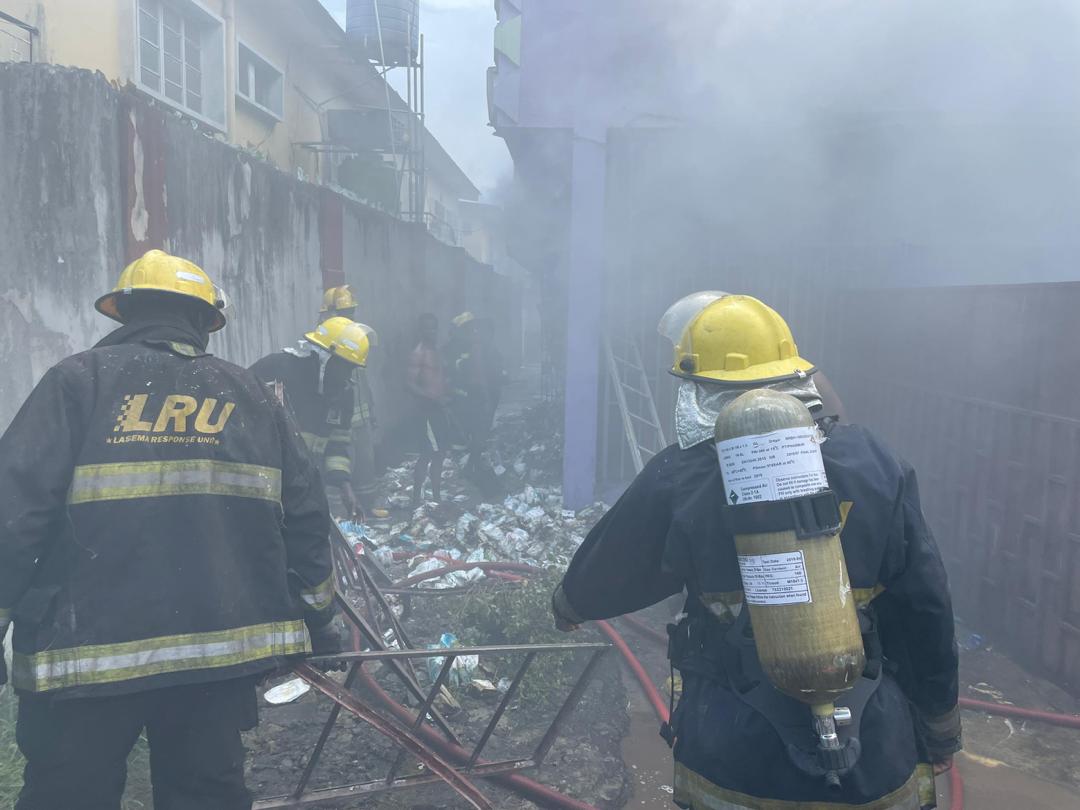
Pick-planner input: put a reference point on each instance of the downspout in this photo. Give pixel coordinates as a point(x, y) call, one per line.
point(231, 68)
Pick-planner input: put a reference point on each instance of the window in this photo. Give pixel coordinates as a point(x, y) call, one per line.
point(16, 39)
point(259, 83)
point(180, 57)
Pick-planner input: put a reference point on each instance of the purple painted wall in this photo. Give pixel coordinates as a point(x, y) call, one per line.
point(584, 71)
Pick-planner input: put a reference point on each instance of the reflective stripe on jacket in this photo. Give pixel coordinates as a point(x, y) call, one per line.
point(325, 419)
point(161, 523)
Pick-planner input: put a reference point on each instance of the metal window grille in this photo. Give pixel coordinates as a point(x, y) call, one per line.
point(16, 39)
point(170, 54)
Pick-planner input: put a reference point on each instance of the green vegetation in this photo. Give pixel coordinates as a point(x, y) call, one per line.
point(521, 614)
point(138, 796)
point(10, 760)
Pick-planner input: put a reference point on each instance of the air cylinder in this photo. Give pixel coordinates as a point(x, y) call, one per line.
point(802, 610)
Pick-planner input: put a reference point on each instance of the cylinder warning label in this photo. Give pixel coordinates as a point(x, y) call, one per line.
point(772, 466)
point(775, 579)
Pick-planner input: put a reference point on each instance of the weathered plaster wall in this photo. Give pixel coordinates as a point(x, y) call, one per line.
point(60, 212)
point(92, 177)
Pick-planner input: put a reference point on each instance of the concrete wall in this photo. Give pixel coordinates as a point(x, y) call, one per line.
point(60, 218)
point(77, 32)
point(93, 177)
point(299, 39)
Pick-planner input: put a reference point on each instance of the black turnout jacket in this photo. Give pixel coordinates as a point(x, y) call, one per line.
point(161, 523)
point(667, 533)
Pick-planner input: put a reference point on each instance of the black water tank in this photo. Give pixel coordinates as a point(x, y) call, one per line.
point(399, 21)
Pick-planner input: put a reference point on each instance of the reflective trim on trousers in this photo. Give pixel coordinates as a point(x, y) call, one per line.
point(321, 596)
point(697, 792)
point(110, 663)
point(316, 444)
point(338, 464)
point(154, 479)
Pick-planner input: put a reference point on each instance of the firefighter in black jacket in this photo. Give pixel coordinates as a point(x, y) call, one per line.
point(163, 543)
point(340, 302)
point(315, 381)
point(668, 532)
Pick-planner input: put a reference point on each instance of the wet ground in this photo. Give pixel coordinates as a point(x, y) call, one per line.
point(1006, 765)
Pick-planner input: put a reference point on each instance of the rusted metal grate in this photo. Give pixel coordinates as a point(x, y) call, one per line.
point(359, 578)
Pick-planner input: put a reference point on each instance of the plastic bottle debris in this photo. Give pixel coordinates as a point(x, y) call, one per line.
point(287, 692)
point(972, 642)
point(463, 669)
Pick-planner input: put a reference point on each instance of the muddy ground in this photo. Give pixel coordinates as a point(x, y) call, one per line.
point(585, 762)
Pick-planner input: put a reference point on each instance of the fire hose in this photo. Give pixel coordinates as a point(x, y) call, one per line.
point(652, 694)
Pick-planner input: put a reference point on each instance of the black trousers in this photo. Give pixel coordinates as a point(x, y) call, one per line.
point(76, 749)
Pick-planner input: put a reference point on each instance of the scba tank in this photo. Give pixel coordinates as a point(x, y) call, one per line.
point(397, 20)
point(802, 610)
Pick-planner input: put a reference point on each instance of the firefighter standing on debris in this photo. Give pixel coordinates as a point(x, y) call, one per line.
point(314, 380)
point(339, 302)
point(163, 542)
point(668, 532)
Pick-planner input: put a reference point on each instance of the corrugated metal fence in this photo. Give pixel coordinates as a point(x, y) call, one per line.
point(978, 388)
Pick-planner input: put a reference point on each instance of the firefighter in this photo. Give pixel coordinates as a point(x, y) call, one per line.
point(667, 533)
point(340, 302)
point(477, 378)
point(163, 543)
point(426, 381)
point(314, 380)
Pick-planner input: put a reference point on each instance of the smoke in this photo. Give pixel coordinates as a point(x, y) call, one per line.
point(943, 132)
point(910, 143)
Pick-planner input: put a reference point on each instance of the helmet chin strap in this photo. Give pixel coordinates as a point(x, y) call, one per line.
point(307, 348)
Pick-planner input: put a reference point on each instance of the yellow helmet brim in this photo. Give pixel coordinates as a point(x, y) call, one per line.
point(107, 305)
point(775, 371)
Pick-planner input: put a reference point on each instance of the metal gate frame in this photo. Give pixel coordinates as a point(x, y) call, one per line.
point(357, 577)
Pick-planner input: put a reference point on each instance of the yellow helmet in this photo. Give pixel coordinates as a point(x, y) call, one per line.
point(347, 339)
point(463, 319)
point(159, 272)
point(338, 299)
point(735, 339)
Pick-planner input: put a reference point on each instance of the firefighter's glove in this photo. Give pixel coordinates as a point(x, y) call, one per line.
point(566, 618)
point(326, 641)
point(942, 735)
point(348, 500)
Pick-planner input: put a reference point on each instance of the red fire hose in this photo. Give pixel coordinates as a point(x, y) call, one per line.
point(1053, 718)
point(956, 789)
point(956, 783)
point(652, 694)
point(531, 789)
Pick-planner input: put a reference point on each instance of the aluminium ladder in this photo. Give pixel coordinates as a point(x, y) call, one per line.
point(630, 382)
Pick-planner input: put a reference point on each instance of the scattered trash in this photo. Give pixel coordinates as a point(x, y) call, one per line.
point(986, 689)
point(464, 667)
point(482, 687)
point(972, 642)
point(287, 692)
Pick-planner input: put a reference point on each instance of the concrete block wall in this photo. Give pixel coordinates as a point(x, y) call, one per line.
point(92, 177)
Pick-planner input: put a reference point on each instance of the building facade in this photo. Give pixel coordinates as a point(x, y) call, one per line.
point(277, 78)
